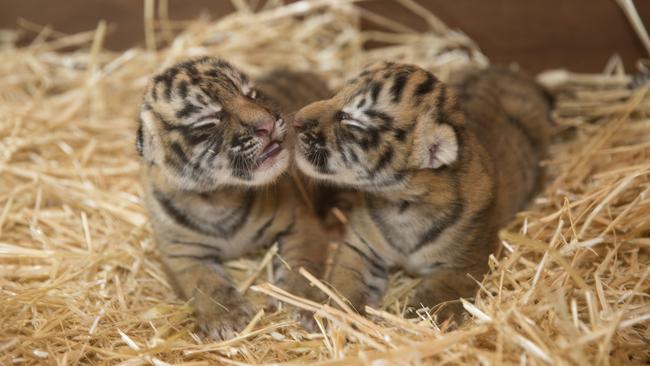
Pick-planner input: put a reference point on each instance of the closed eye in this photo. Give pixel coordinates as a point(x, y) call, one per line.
point(209, 120)
point(206, 123)
point(347, 120)
point(353, 123)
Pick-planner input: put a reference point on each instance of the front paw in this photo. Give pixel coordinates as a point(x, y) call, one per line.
point(298, 285)
point(445, 302)
point(222, 314)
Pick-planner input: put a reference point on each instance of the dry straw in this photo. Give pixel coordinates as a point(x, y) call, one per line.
point(79, 276)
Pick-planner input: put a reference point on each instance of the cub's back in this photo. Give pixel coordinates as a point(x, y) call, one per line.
point(510, 114)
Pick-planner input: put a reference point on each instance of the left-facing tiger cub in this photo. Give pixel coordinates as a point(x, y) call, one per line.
point(214, 149)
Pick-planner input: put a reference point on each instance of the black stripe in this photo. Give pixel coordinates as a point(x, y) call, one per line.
point(188, 110)
point(176, 214)
point(169, 82)
point(139, 138)
point(381, 271)
point(355, 271)
point(190, 66)
point(521, 127)
point(182, 89)
point(397, 178)
point(287, 231)
point(384, 117)
point(398, 86)
point(441, 116)
point(198, 136)
point(448, 219)
point(381, 223)
point(403, 206)
point(375, 266)
point(197, 244)
point(426, 86)
point(179, 153)
point(262, 229)
point(225, 228)
point(167, 79)
point(400, 134)
point(212, 258)
point(238, 218)
point(365, 142)
point(373, 288)
point(385, 159)
point(167, 125)
point(201, 100)
point(375, 89)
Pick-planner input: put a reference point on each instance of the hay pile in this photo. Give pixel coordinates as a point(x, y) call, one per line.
point(79, 276)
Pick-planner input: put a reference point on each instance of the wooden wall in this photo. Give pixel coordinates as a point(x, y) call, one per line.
point(538, 34)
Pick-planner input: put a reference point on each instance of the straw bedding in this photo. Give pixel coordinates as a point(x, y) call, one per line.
point(79, 276)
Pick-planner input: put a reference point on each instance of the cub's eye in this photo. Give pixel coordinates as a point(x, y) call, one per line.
point(208, 120)
point(347, 120)
point(205, 124)
point(340, 116)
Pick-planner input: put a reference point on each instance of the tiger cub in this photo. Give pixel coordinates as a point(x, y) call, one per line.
point(214, 149)
point(441, 168)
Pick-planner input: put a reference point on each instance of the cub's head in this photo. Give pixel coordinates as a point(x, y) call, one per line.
point(205, 125)
point(387, 123)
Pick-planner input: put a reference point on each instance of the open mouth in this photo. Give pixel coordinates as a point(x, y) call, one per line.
point(271, 150)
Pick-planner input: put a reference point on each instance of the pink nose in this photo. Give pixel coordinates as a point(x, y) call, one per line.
point(265, 128)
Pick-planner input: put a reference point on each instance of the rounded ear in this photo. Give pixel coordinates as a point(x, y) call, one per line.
point(145, 141)
point(437, 147)
point(443, 147)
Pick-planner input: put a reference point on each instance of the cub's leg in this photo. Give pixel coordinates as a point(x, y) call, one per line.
point(359, 275)
point(220, 310)
point(305, 245)
point(445, 287)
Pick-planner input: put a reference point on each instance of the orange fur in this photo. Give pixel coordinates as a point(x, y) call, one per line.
point(440, 169)
point(212, 194)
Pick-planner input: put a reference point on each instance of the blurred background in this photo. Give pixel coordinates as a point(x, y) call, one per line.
point(580, 35)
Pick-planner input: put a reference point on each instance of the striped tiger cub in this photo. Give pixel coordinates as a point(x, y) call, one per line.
point(214, 149)
point(441, 168)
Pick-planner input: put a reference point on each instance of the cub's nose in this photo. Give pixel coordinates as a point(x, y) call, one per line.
point(265, 128)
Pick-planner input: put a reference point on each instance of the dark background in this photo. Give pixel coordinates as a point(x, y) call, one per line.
point(538, 34)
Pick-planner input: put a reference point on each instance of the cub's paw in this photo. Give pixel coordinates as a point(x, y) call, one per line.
point(305, 318)
point(299, 286)
point(444, 301)
point(222, 314)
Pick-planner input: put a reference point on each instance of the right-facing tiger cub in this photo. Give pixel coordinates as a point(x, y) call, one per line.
point(441, 169)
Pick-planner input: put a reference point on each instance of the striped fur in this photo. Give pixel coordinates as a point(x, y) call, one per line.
point(440, 169)
point(204, 131)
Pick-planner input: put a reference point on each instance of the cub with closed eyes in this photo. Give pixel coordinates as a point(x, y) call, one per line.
point(214, 151)
point(440, 169)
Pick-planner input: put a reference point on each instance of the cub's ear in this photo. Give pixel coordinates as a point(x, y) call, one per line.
point(443, 147)
point(146, 142)
point(435, 146)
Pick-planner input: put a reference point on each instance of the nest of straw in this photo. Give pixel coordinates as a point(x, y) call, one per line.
point(80, 281)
